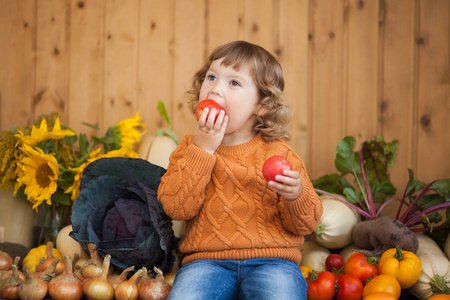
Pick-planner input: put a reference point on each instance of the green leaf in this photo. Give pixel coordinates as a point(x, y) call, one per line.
point(163, 113)
point(354, 197)
point(344, 156)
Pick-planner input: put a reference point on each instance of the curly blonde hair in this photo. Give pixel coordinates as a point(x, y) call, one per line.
point(274, 114)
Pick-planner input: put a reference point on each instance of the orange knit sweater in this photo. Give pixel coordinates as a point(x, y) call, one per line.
point(230, 211)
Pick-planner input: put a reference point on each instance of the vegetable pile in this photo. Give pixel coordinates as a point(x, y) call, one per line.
point(367, 277)
point(406, 251)
point(93, 278)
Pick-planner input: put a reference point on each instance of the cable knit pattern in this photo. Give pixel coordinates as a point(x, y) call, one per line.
point(230, 211)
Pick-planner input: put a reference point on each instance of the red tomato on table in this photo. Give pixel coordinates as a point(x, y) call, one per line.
point(361, 266)
point(275, 166)
point(334, 261)
point(320, 286)
point(349, 287)
point(210, 104)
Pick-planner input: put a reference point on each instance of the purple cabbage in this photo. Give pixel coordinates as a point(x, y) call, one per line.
point(118, 210)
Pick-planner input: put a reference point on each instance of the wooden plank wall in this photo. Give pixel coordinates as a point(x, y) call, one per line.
point(352, 67)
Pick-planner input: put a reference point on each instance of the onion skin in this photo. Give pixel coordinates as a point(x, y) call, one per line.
point(34, 288)
point(99, 288)
point(10, 284)
point(128, 290)
point(66, 286)
point(6, 261)
point(154, 289)
point(116, 279)
point(43, 265)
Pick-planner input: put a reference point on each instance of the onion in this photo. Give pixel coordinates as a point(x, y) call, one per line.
point(128, 289)
point(50, 271)
point(116, 279)
point(7, 273)
point(154, 289)
point(93, 267)
point(99, 288)
point(43, 265)
point(66, 286)
point(9, 286)
point(6, 261)
point(169, 278)
point(34, 288)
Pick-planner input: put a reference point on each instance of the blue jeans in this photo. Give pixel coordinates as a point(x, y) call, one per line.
point(259, 278)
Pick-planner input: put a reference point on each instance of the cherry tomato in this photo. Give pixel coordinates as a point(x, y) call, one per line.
point(210, 104)
point(320, 286)
point(349, 287)
point(334, 261)
point(275, 166)
point(361, 266)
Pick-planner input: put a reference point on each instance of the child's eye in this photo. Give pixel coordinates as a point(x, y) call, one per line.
point(211, 77)
point(235, 83)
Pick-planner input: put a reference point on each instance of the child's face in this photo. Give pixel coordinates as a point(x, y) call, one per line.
point(237, 93)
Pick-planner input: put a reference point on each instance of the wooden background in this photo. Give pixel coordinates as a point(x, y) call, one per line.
point(352, 67)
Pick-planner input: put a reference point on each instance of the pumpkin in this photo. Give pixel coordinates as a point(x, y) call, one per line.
point(34, 256)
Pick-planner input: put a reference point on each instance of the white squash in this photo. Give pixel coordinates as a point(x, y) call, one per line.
point(65, 244)
point(447, 246)
point(156, 149)
point(434, 265)
point(313, 255)
point(336, 224)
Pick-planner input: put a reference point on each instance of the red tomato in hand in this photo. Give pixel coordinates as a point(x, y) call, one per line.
point(210, 104)
point(275, 166)
point(334, 262)
point(349, 287)
point(361, 266)
point(320, 286)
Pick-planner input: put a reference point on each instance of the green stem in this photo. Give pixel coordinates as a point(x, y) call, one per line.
point(439, 285)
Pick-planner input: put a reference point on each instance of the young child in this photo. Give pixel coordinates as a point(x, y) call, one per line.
point(242, 232)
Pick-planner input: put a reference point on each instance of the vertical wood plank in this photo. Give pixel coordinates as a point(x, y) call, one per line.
point(155, 66)
point(397, 69)
point(292, 52)
point(17, 65)
point(52, 54)
point(433, 134)
point(86, 64)
point(120, 70)
point(219, 13)
point(260, 23)
point(189, 56)
point(362, 69)
point(327, 95)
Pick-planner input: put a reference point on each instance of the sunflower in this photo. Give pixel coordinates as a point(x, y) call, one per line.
point(39, 174)
point(93, 156)
point(41, 134)
point(129, 131)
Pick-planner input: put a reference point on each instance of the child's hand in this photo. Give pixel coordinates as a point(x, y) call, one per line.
point(289, 186)
point(209, 135)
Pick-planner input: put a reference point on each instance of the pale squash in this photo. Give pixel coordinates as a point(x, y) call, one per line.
point(313, 255)
point(336, 224)
point(65, 244)
point(434, 266)
point(447, 246)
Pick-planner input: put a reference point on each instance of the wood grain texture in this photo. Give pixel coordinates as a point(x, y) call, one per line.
point(351, 67)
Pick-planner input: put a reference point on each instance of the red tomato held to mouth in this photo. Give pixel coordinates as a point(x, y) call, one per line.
point(210, 104)
point(275, 166)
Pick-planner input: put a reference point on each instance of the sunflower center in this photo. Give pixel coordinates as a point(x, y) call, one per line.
point(43, 175)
